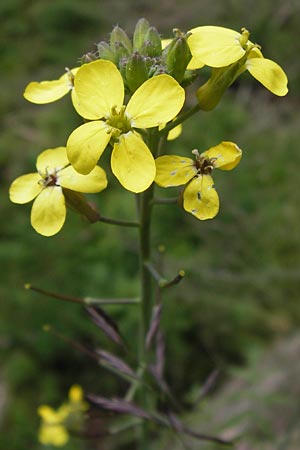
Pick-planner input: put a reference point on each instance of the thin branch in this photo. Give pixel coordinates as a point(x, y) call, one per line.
point(110, 301)
point(179, 119)
point(86, 301)
point(165, 201)
point(66, 298)
point(161, 281)
point(122, 223)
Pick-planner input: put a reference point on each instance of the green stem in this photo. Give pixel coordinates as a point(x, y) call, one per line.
point(180, 119)
point(146, 297)
point(123, 223)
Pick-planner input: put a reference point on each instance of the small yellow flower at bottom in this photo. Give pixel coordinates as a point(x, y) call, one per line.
point(199, 196)
point(56, 424)
point(52, 430)
point(46, 188)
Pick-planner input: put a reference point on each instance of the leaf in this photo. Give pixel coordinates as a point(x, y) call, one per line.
point(106, 324)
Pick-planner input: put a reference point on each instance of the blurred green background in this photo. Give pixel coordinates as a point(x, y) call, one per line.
point(241, 291)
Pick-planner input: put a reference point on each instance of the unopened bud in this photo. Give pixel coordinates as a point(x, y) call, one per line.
point(120, 51)
point(136, 71)
point(105, 51)
point(176, 57)
point(152, 43)
point(139, 35)
point(88, 57)
point(119, 35)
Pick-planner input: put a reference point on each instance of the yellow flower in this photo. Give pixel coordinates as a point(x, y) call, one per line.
point(76, 400)
point(199, 196)
point(52, 430)
point(56, 423)
point(54, 174)
point(100, 90)
point(50, 91)
point(219, 47)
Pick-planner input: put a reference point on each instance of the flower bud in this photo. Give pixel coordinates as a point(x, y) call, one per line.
point(105, 51)
point(210, 93)
point(119, 35)
point(139, 35)
point(120, 51)
point(136, 71)
point(77, 202)
point(152, 43)
point(176, 57)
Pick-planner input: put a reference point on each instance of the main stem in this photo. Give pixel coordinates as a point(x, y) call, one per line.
point(146, 297)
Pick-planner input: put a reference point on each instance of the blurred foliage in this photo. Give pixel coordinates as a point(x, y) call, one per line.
point(242, 284)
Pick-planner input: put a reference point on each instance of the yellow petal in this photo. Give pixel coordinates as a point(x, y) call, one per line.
point(48, 211)
point(156, 101)
point(94, 182)
point(25, 188)
point(195, 63)
point(200, 198)
point(75, 393)
point(46, 91)
point(132, 163)
point(215, 46)
point(175, 133)
point(269, 74)
point(56, 435)
point(172, 170)
point(86, 144)
point(99, 87)
point(52, 158)
point(227, 155)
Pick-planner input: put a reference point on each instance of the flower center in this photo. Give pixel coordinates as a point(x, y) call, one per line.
point(118, 121)
point(49, 178)
point(203, 164)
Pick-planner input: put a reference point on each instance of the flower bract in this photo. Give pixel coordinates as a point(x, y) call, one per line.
point(100, 90)
point(199, 196)
point(46, 188)
point(219, 47)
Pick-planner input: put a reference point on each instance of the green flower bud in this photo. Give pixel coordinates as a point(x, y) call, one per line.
point(152, 43)
point(119, 35)
point(120, 51)
point(176, 57)
point(210, 93)
point(88, 57)
point(139, 35)
point(136, 71)
point(105, 52)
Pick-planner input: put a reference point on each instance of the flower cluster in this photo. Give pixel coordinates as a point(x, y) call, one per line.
point(57, 424)
point(131, 94)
